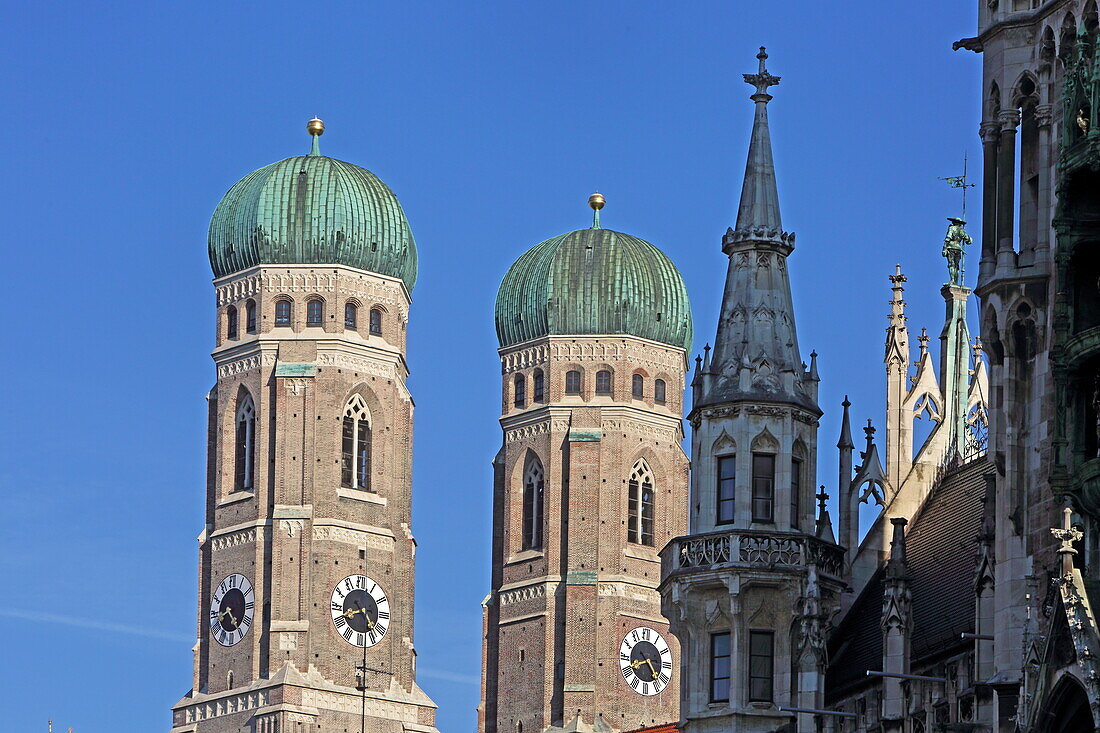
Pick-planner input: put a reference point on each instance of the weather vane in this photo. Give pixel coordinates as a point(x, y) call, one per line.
point(960, 182)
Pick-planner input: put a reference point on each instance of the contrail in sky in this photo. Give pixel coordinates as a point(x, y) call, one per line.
point(85, 623)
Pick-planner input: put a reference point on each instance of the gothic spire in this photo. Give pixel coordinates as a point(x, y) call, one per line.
point(759, 209)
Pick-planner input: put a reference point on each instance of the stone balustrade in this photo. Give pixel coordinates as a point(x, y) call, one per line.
point(751, 549)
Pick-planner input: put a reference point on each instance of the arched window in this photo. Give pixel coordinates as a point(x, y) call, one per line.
point(573, 381)
point(315, 312)
point(604, 385)
point(282, 312)
point(539, 386)
point(351, 315)
point(231, 317)
point(250, 316)
point(659, 391)
point(376, 321)
point(532, 504)
point(763, 487)
point(639, 514)
point(637, 386)
point(726, 496)
point(355, 446)
point(244, 468)
point(796, 491)
point(520, 391)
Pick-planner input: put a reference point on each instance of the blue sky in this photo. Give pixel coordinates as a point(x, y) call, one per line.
point(492, 122)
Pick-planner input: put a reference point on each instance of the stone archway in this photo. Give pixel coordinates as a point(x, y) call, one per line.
point(1067, 710)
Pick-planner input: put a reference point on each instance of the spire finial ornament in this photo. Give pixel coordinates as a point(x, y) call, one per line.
point(596, 201)
point(316, 128)
point(923, 339)
point(761, 79)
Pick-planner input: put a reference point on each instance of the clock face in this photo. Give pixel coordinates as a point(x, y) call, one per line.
point(231, 609)
point(360, 610)
point(646, 661)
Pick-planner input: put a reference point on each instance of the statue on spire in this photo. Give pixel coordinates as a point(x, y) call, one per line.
point(954, 247)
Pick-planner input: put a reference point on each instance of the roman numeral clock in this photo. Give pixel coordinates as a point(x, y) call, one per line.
point(232, 607)
point(646, 661)
point(360, 610)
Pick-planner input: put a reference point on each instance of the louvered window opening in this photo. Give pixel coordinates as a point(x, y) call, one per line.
point(355, 459)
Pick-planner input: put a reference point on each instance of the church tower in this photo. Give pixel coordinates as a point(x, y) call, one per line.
point(590, 483)
point(750, 592)
point(305, 607)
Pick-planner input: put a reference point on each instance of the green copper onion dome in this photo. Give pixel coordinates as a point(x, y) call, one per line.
point(594, 281)
point(312, 209)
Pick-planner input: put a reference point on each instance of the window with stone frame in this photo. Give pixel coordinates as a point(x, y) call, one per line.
point(640, 497)
point(763, 487)
point(250, 316)
point(376, 321)
point(244, 453)
point(355, 453)
point(726, 498)
point(351, 315)
point(604, 382)
point(761, 666)
point(659, 391)
point(315, 312)
point(573, 381)
point(231, 325)
point(283, 312)
point(533, 502)
point(637, 386)
point(720, 667)
point(796, 491)
point(538, 386)
point(520, 391)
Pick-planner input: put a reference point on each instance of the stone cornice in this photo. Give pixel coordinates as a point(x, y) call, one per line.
point(592, 348)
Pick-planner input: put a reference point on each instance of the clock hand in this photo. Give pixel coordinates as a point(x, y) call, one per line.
point(228, 612)
point(651, 667)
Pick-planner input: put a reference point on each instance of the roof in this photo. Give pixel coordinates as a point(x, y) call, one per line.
point(940, 547)
point(593, 282)
point(312, 209)
point(667, 728)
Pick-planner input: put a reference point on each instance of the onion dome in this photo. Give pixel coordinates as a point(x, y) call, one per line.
point(312, 209)
point(594, 282)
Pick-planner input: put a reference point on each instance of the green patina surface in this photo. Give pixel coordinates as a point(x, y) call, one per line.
point(580, 577)
point(594, 281)
point(295, 370)
point(311, 209)
point(585, 436)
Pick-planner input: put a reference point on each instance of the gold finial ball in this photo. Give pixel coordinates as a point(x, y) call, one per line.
point(596, 201)
point(316, 127)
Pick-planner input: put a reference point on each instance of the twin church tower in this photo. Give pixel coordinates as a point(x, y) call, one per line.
point(626, 593)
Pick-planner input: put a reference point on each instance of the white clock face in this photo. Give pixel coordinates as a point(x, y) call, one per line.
point(360, 610)
point(646, 661)
point(231, 609)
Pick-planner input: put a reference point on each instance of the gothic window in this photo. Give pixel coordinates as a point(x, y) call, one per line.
point(639, 520)
point(659, 391)
point(355, 459)
point(538, 386)
point(376, 321)
point(796, 490)
point(231, 316)
point(603, 382)
point(720, 667)
point(637, 386)
point(282, 312)
point(520, 391)
point(763, 487)
point(351, 315)
point(573, 381)
point(761, 663)
point(727, 475)
point(315, 312)
point(250, 316)
point(532, 505)
point(245, 453)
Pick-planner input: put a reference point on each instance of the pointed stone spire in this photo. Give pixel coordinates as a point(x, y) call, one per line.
point(759, 209)
point(847, 503)
point(845, 427)
point(871, 474)
point(955, 339)
point(824, 529)
point(897, 334)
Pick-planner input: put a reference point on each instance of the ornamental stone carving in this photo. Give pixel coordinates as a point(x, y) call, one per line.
point(519, 595)
point(233, 539)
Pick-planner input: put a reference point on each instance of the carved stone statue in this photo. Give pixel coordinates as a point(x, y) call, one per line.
point(1082, 122)
point(954, 245)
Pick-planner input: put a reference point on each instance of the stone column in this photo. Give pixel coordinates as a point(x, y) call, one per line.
point(1044, 116)
point(1006, 181)
point(990, 134)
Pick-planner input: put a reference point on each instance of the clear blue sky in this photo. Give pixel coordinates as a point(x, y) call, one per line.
point(492, 122)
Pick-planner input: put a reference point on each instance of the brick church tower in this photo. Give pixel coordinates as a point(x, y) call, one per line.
point(590, 483)
point(305, 607)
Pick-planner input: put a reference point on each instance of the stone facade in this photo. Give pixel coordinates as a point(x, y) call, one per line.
point(295, 529)
point(561, 603)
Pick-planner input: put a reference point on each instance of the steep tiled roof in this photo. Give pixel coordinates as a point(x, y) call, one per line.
point(940, 547)
point(669, 728)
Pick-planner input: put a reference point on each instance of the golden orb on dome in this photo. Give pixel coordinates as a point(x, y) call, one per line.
point(315, 127)
point(596, 201)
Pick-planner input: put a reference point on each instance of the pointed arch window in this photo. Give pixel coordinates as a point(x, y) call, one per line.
point(315, 312)
point(763, 487)
point(355, 463)
point(726, 499)
point(796, 491)
point(376, 321)
point(637, 386)
point(282, 312)
point(640, 494)
point(244, 468)
point(603, 382)
point(659, 391)
point(351, 315)
point(231, 317)
point(573, 381)
point(538, 386)
point(520, 391)
point(250, 316)
point(533, 502)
